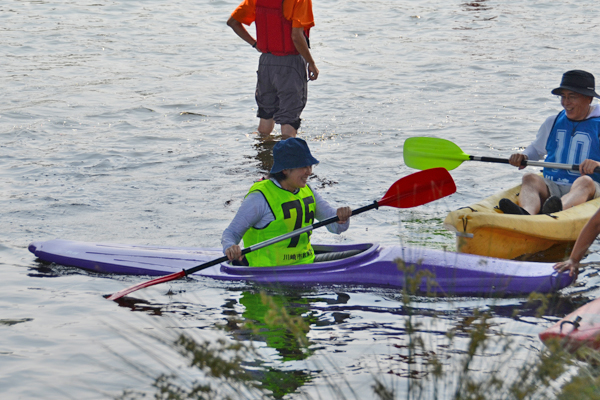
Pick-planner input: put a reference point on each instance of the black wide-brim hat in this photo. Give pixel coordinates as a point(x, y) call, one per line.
point(578, 81)
point(291, 153)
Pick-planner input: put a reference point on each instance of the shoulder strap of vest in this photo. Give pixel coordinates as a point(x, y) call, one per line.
point(256, 187)
point(556, 119)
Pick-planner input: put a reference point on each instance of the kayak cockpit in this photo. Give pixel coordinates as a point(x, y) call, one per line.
point(326, 256)
point(324, 253)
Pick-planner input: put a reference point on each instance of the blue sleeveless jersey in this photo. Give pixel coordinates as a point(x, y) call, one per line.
point(572, 142)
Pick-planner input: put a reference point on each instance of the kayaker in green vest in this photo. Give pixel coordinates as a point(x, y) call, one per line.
point(279, 205)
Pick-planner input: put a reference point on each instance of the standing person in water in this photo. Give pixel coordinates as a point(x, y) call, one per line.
point(285, 65)
point(278, 205)
point(572, 137)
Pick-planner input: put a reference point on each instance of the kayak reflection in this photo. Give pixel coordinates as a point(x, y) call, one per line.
point(282, 321)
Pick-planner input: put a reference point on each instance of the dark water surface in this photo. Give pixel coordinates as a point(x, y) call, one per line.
point(133, 121)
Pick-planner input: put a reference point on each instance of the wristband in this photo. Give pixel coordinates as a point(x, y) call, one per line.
point(254, 45)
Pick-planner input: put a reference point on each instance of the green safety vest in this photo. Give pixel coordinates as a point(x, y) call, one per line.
point(291, 211)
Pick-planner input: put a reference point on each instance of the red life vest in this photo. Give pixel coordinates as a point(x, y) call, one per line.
point(273, 31)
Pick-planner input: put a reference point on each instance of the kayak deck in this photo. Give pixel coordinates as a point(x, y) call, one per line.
point(437, 271)
point(483, 229)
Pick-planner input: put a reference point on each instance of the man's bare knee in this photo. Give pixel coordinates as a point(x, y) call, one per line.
point(532, 179)
point(584, 184)
point(536, 183)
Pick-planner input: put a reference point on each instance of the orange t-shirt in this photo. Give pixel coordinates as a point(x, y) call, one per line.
point(297, 11)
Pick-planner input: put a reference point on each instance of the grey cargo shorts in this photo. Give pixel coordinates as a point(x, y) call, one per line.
point(281, 88)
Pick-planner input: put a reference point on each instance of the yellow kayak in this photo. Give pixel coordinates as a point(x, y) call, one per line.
point(484, 230)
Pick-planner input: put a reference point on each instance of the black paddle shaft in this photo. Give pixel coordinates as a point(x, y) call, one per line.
point(309, 228)
point(572, 167)
point(289, 235)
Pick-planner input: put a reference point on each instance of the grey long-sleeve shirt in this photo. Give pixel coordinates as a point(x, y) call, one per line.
point(255, 211)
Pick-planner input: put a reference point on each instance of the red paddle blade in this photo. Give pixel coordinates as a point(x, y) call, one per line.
point(142, 285)
point(419, 188)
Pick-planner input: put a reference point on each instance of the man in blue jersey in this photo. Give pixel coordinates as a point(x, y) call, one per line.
point(571, 137)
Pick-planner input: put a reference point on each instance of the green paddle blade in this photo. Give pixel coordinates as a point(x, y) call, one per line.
point(427, 152)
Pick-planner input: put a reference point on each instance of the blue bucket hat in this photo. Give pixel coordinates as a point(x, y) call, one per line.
point(291, 153)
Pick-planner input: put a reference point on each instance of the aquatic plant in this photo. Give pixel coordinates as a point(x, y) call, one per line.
point(221, 365)
point(232, 368)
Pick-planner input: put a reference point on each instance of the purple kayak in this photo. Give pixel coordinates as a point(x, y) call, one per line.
point(365, 264)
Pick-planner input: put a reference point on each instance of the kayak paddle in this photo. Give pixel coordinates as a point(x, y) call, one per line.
point(413, 190)
point(427, 152)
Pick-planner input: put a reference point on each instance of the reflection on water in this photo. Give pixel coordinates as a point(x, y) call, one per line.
point(263, 144)
point(481, 5)
point(270, 328)
point(397, 339)
point(409, 336)
point(281, 320)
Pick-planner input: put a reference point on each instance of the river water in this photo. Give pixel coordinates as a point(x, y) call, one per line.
point(133, 122)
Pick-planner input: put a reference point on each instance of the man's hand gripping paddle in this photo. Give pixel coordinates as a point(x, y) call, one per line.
point(427, 152)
